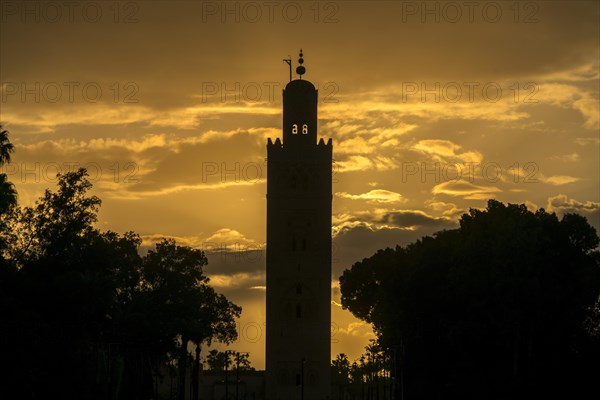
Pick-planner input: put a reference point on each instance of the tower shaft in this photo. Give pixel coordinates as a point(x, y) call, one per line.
point(299, 196)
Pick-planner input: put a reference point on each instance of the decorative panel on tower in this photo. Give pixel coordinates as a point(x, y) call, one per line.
point(299, 195)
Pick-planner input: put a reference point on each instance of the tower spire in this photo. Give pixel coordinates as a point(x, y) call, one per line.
point(300, 70)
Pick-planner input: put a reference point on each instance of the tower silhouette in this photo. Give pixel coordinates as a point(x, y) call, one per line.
point(298, 343)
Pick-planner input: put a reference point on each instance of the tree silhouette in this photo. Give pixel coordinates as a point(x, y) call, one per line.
point(341, 374)
point(8, 194)
point(217, 323)
point(502, 307)
point(367, 377)
point(81, 303)
point(215, 361)
point(6, 147)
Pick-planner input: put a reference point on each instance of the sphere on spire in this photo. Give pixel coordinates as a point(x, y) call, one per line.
point(300, 70)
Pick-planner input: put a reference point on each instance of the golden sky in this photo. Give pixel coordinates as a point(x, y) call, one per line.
point(433, 108)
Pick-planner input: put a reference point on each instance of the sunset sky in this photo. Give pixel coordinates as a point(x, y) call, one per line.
point(433, 108)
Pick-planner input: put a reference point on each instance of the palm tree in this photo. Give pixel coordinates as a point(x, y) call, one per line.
point(6, 147)
point(8, 194)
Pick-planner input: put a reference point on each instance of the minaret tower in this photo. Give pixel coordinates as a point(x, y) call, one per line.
point(299, 195)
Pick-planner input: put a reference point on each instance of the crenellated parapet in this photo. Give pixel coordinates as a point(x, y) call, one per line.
point(318, 152)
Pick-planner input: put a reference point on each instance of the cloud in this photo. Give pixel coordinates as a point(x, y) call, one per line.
point(228, 251)
point(558, 180)
point(375, 196)
point(70, 145)
point(192, 116)
point(150, 240)
point(227, 238)
point(389, 104)
point(446, 151)
point(573, 157)
point(587, 141)
point(139, 194)
point(361, 142)
point(589, 108)
point(131, 168)
point(353, 242)
point(237, 281)
point(571, 97)
point(447, 209)
point(354, 145)
point(561, 203)
point(362, 163)
point(48, 119)
point(578, 73)
point(411, 219)
point(467, 190)
point(222, 239)
point(382, 218)
point(358, 328)
point(213, 160)
point(513, 104)
point(531, 206)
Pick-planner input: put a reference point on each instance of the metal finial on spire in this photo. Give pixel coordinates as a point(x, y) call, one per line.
point(300, 70)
